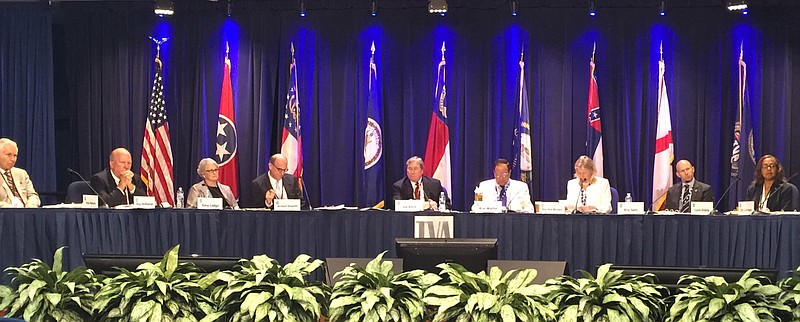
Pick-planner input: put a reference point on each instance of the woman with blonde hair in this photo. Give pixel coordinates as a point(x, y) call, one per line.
point(587, 193)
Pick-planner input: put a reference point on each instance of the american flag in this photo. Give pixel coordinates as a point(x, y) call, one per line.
point(291, 144)
point(156, 148)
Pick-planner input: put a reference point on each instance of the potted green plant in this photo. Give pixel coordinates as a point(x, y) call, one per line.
point(611, 296)
point(375, 293)
point(466, 296)
point(263, 290)
point(790, 293)
point(751, 298)
point(164, 291)
point(49, 294)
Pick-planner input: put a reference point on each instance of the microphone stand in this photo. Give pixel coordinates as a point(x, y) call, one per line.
point(305, 192)
point(652, 212)
point(717, 212)
point(105, 204)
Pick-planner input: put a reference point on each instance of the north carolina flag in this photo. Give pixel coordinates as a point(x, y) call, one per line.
point(594, 132)
point(156, 165)
point(226, 133)
point(291, 144)
point(662, 168)
point(523, 158)
point(742, 165)
point(437, 151)
point(373, 141)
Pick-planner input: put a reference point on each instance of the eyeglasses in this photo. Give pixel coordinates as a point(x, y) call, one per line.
point(279, 169)
point(501, 175)
point(771, 166)
point(212, 170)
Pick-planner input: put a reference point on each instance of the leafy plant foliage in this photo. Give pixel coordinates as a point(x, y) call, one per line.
point(791, 293)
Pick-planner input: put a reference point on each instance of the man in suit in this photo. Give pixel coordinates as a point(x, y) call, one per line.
point(419, 187)
point(17, 188)
point(276, 183)
point(681, 195)
point(117, 184)
point(513, 194)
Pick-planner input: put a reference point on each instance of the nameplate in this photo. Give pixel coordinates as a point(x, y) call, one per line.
point(209, 203)
point(90, 201)
point(549, 207)
point(144, 202)
point(630, 208)
point(433, 226)
point(409, 205)
point(747, 207)
point(488, 207)
point(702, 207)
point(286, 205)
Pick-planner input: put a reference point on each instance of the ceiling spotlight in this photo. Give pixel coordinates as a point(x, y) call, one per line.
point(437, 6)
point(662, 7)
point(592, 8)
point(164, 8)
point(301, 7)
point(735, 5)
point(373, 8)
point(514, 7)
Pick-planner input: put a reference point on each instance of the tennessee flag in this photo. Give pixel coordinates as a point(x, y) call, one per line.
point(226, 133)
point(594, 133)
point(437, 150)
point(662, 167)
point(291, 144)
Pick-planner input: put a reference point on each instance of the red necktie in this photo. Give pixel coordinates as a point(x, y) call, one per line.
point(416, 190)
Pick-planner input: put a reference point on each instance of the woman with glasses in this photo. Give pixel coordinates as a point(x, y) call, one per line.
point(210, 186)
point(770, 191)
point(587, 193)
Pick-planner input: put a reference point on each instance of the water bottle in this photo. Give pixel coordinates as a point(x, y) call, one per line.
point(628, 197)
point(179, 198)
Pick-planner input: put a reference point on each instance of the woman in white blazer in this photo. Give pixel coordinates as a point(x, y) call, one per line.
point(210, 186)
point(588, 193)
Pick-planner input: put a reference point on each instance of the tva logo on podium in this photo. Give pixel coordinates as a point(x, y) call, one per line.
point(433, 226)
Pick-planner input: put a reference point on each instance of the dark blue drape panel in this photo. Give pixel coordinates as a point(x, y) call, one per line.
point(26, 89)
point(103, 63)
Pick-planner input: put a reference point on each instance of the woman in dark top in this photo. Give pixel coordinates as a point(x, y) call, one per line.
point(210, 186)
point(769, 190)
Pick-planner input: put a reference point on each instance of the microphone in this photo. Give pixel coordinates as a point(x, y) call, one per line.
point(305, 192)
point(651, 212)
point(105, 204)
point(766, 200)
point(717, 212)
point(508, 200)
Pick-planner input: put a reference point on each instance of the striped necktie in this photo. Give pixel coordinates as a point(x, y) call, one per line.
point(13, 186)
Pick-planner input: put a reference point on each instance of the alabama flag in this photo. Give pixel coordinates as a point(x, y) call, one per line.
point(437, 151)
point(662, 168)
point(594, 132)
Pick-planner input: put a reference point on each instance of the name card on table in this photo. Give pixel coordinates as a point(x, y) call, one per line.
point(747, 207)
point(409, 205)
point(286, 205)
point(433, 226)
point(547, 207)
point(209, 203)
point(90, 201)
point(630, 208)
point(702, 207)
point(144, 202)
point(488, 207)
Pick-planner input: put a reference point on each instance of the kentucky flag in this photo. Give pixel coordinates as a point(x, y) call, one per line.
point(743, 158)
point(523, 159)
point(437, 150)
point(291, 144)
point(226, 142)
point(594, 132)
point(373, 141)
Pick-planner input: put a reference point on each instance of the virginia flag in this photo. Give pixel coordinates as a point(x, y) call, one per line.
point(523, 160)
point(662, 168)
point(226, 133)
point(742, 164)
point(594, 132)
point(437, 150)
point(373, 141)
point(156, 165)
point(291, 144)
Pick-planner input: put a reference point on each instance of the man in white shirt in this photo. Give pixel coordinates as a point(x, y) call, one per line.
point(513, 194)
point(17, 188)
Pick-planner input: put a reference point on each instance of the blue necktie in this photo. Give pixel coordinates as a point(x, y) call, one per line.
point(503, 196)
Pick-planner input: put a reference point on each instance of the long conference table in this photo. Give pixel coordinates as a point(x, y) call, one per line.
point(584, 241)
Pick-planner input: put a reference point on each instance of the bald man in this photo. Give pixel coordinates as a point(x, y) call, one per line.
point(681, 195)
point(276, 184)
point(118, 184)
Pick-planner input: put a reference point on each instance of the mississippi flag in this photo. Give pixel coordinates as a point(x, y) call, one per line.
point(662, 168)
point(437, 151)
point(742, 165)
point(594, 133)
point(373, 141)
point(226, 133)
point(523, 159)
point(291, 145)
point(156, 162)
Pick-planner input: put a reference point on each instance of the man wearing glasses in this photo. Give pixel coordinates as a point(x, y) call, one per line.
point(276, 183)
point(513, 194)
point(681, 195)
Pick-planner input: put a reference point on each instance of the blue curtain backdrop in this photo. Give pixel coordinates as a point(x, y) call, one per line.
point(102, 70)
